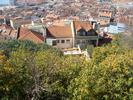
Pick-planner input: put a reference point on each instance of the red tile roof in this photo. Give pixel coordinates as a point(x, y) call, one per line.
point(26, 34)
point(82, 24)
point(59, 31)
point(65, 31)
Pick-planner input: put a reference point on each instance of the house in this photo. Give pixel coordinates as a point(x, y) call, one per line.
point(106, 14)
point(23, 22)
point(84, 33)
point(27, 34)
point(18, 21)
point(71, 34)
point(60, 36)
point(68, 35)
point(7, 32)
point(115, 28)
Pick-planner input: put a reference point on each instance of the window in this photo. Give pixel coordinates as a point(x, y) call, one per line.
point(58, 41)
point(88, 41)
point(54, 43)
point(81, 32)
point(68, 41)
point(78, 41)
point(83, 41)
point(62, 41)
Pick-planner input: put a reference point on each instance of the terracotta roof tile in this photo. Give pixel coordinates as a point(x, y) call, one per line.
point(26, 34)
point(105, 14)
point(59, 31)
point(82, 24)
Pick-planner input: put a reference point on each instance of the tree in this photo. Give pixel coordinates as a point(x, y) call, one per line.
point(27, 79)
point(107, 76)
point(40, 72)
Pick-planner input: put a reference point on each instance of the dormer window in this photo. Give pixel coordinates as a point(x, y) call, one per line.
point(91, 33)
point(81, 32)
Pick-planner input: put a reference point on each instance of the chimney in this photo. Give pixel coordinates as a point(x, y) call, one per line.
point(42, 20)
point(73, 32)
point(94, 25)
point(4, 21)
point(32, 23)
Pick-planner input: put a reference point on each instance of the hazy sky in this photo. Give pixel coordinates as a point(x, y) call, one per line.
point(4, 1)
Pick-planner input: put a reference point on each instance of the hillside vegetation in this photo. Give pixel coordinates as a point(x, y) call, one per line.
point(30, 71)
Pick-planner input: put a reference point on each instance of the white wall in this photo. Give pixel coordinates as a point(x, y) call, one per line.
point(66, 44)
point(61, 45)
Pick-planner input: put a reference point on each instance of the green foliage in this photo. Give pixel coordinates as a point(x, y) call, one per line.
point(13, 45)
point(124, 40)
point(90, 49)
point(108, 76)
point(100, 53)
point(40, 72)
point(20, 59)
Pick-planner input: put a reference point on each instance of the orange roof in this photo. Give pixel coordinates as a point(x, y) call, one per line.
point(2, 17)
point(65, 31)
point(105, 14)
point(82, 24)
point(26, 34)
point(58, 23)
point(60, 31)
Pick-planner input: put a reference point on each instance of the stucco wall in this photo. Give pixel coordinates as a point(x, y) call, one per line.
point(66, 44)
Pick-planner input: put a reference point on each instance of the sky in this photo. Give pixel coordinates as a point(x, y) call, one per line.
point(3, 2)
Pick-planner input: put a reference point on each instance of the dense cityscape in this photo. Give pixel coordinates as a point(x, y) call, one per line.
point(66, 49)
